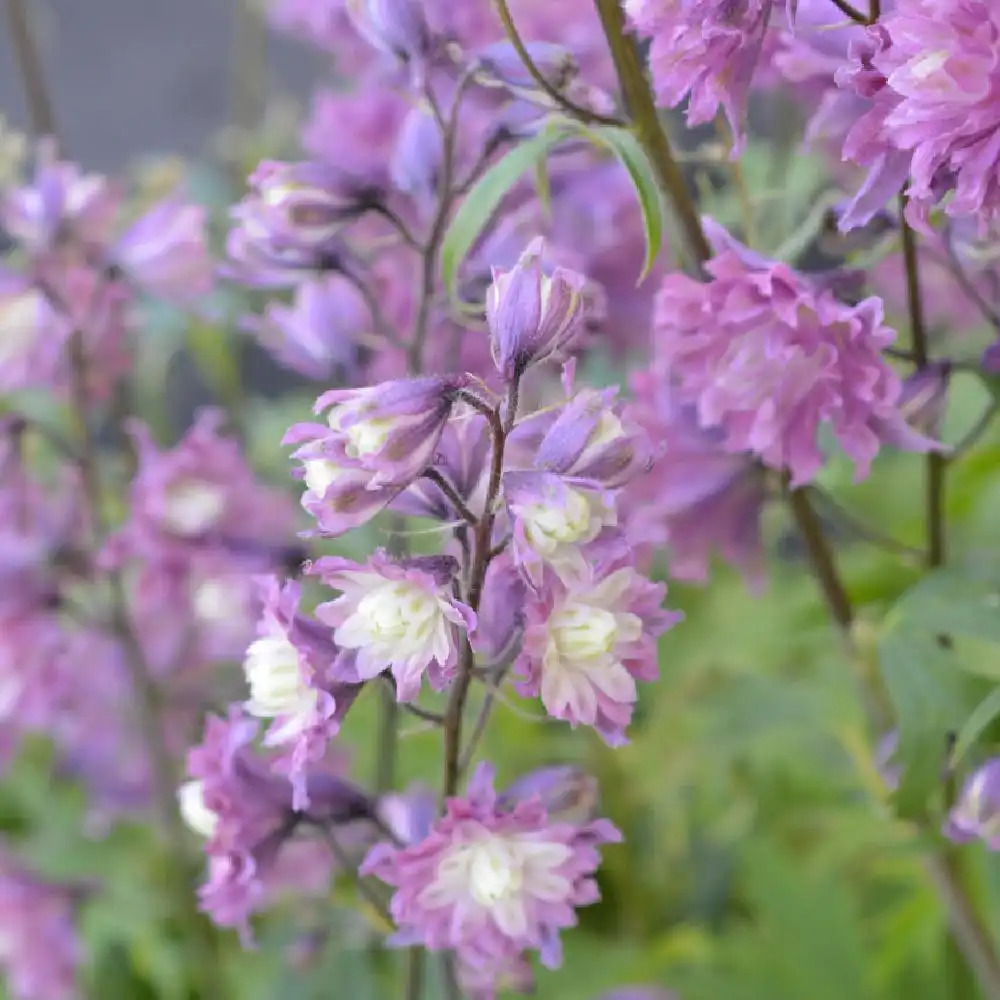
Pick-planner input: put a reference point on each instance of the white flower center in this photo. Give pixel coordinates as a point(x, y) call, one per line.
point(581, 632)
point(367, 437)
point(321, 474)
point(396, 608)
point(20, 316)
point(547, 525)
point(274, 672)
point(194, 812)
point(495, 871)
point(214, 600)
point(192, 506)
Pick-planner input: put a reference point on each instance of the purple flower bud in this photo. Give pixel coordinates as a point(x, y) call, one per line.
point(990, 361)
point(165, 252)
point(569, 794)
point(317, 336)
point(532, 315)
point(976, 815)
point(417, 158)
point(924, 397)
point(290, 221)
point(395, 27)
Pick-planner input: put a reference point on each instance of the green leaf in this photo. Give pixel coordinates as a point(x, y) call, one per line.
point(932, 697)
point(483, 200)
point(629, 152)
point(977, 723)
point(955, 603)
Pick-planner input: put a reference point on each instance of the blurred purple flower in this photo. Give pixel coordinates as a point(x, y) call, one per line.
point(976, 815)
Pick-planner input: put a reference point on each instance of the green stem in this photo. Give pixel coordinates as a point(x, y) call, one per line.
point(641, 106)
point(936, 463)
point(40, 112)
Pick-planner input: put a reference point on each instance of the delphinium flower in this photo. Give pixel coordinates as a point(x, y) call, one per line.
point(589, 636)
point(376, 441)
point(397, 615)
point(246, 814)
point(698, 498)
point(767, 358)
point(976, 815)
point(492, 881)
point(705, 50)
point(639, 993)
point(291, 670)
point(932, 73)
point(40, 949)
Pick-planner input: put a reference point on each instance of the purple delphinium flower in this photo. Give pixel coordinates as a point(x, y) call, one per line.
point(932, 72)
point(705, 50)
point(288, 226)
point(589, 636)
point(165, 252)
point(40, 951)
point(397, 615)
point(61, 207)
point(532, 315)
point(698, 498)
point(246, 814)
point(976, 815)
point(501, 612)
point(490, 882)
point(376, 441)
point(553, 518)
point(33, 334)
point(318, 334)
point(768, 358)
point(290, 669)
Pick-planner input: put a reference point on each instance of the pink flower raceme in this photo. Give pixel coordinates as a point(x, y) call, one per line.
point(932, 72)
point(292, 671)
point(490, 880)
point(396, 615)
point(705, 50)
point(589, 636)
point(376, 441)
point(246, 815)
point(39, 948)
point(532, 315)
point(976, 815)
point(768, 358)
point(698, 498)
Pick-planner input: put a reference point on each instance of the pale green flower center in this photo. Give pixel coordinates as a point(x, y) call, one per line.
point(274, 673)
point(581, 632)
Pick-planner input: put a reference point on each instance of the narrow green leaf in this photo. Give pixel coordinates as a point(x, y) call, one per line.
point(629, 152)
point(985, 712)
point(932, 697)
point(952, 602)
point(483, 200)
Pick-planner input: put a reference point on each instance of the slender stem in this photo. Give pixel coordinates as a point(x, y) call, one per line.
point(442, 483)
point(854, 14)
point(641, 107)
point(364, 890)
point(936, 463)
point(452, 991)
point(415, 961)
point(874, 10)
point(43, 119)
point(970, 934)
point(821, 556)
point(560, 99)
point(481, 721)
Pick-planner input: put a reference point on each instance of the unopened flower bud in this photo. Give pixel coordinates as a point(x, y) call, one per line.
point(924, 397)
point(396, 27)
point(417, 159)
point(532, 315)
point(976, 816)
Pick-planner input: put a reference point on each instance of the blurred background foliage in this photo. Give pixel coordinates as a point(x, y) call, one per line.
point(764, 858)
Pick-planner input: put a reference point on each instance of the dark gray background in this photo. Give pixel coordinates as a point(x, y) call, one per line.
point(138, 77)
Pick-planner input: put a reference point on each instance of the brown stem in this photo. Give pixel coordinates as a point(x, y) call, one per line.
point(43, 119)
point(641, 107)
point(561, 100)
point(821, 557)
point(854, 14)
point(442, 483)
point(936, 463)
